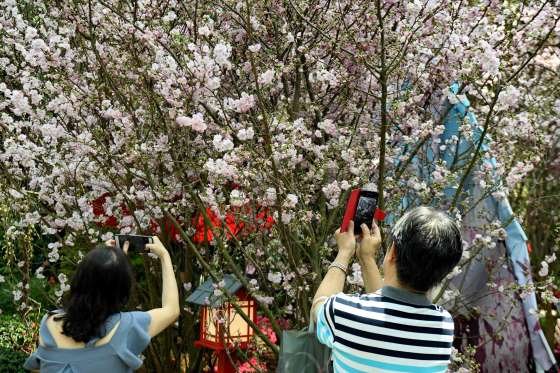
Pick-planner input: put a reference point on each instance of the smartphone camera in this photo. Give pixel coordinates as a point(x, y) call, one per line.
point(365, 210)
point(136, 243)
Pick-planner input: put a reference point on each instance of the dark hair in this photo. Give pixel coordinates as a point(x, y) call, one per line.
point(100, 287)
point(428, 245)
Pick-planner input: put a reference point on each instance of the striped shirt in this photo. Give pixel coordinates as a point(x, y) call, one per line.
point(392, 330)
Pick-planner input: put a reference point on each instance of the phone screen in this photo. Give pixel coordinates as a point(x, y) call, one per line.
point(365, 210)
point(136, 243)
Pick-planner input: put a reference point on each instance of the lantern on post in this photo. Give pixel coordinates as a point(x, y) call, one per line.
point(221, 326)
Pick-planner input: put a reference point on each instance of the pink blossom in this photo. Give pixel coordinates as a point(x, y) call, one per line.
point(266, 78)
point(196, 122)
point(269, 197)
point(222, 52)
point(111, 114)
point(291, 200)
point(264, 299)
point(286, 217)
point(237, 198)
point(222, 144)
point(251, 366)
point(243, 104)
point(20, 103)
point(488, 59)
point(332, 193)
point(324, 76)
point(220, 168)
point(245, 134)
point(275, 277)
point(328, 126)
point(509, 97)
point(543, 271)
point(550, 59)
point(255, 48)
point(270, 124)
point(250, 269)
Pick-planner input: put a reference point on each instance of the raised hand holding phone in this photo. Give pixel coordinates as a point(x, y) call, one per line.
point(370, 242)
point(366, 252)
point(169, 310)
point(367, 203)
point(361, 209)
point(113, 243)
point(346, 241)
point(136, 243)
point(157, 248)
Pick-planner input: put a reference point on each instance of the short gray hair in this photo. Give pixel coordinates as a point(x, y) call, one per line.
point(428, 246)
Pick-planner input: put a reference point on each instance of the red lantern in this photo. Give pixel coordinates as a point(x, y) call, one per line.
point(221, 327)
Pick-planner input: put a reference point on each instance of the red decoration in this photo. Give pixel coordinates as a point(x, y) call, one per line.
point(110, 221)
point(98, 210)
point(379, 215)
point(204, 233)
point(265, 220)
point(221, 328)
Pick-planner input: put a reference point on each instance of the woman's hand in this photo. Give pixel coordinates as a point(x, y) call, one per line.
point(557, 332)
point(113, 243)
point(157, 248)
point(346, 241)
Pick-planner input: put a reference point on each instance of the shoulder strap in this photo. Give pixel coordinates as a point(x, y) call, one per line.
point(48, 340)
point(123, 319)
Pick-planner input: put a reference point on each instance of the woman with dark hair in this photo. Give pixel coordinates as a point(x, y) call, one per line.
point(92, 333)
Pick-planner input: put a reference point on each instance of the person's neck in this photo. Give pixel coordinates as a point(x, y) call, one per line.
point(394, 282)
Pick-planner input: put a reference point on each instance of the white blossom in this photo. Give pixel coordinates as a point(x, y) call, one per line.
point(255, 48)
point(245, 134)
point(266, 78)
point(222, 144)
point(275, 277)
point(222, 52)
point(196, 122)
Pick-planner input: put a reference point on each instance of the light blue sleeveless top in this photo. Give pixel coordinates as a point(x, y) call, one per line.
point(119, 355)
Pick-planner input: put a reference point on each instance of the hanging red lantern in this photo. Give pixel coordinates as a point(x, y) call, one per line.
point(222, 328)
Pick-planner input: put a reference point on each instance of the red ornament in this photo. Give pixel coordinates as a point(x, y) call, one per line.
point(379, 214)
point(98, 210)
point(110, 221)
point(232, 228)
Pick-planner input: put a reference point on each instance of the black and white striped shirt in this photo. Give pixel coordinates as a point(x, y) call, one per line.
point(393, 330)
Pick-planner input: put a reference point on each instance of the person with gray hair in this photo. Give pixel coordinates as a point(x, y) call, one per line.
point(394, 326)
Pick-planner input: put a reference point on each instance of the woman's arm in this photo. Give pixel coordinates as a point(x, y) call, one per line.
point(169, 311)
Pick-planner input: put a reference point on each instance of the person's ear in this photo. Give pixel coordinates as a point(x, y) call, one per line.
point(392, 253)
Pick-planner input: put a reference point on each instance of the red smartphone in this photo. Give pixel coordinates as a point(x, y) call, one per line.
point(361, 208)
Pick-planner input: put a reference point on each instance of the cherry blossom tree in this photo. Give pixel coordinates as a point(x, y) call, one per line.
point(252, 120)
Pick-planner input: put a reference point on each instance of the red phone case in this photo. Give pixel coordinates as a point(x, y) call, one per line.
point(351, 207)
point(379, 215)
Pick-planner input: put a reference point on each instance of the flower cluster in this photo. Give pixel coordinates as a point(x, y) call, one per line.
point(242, 126)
